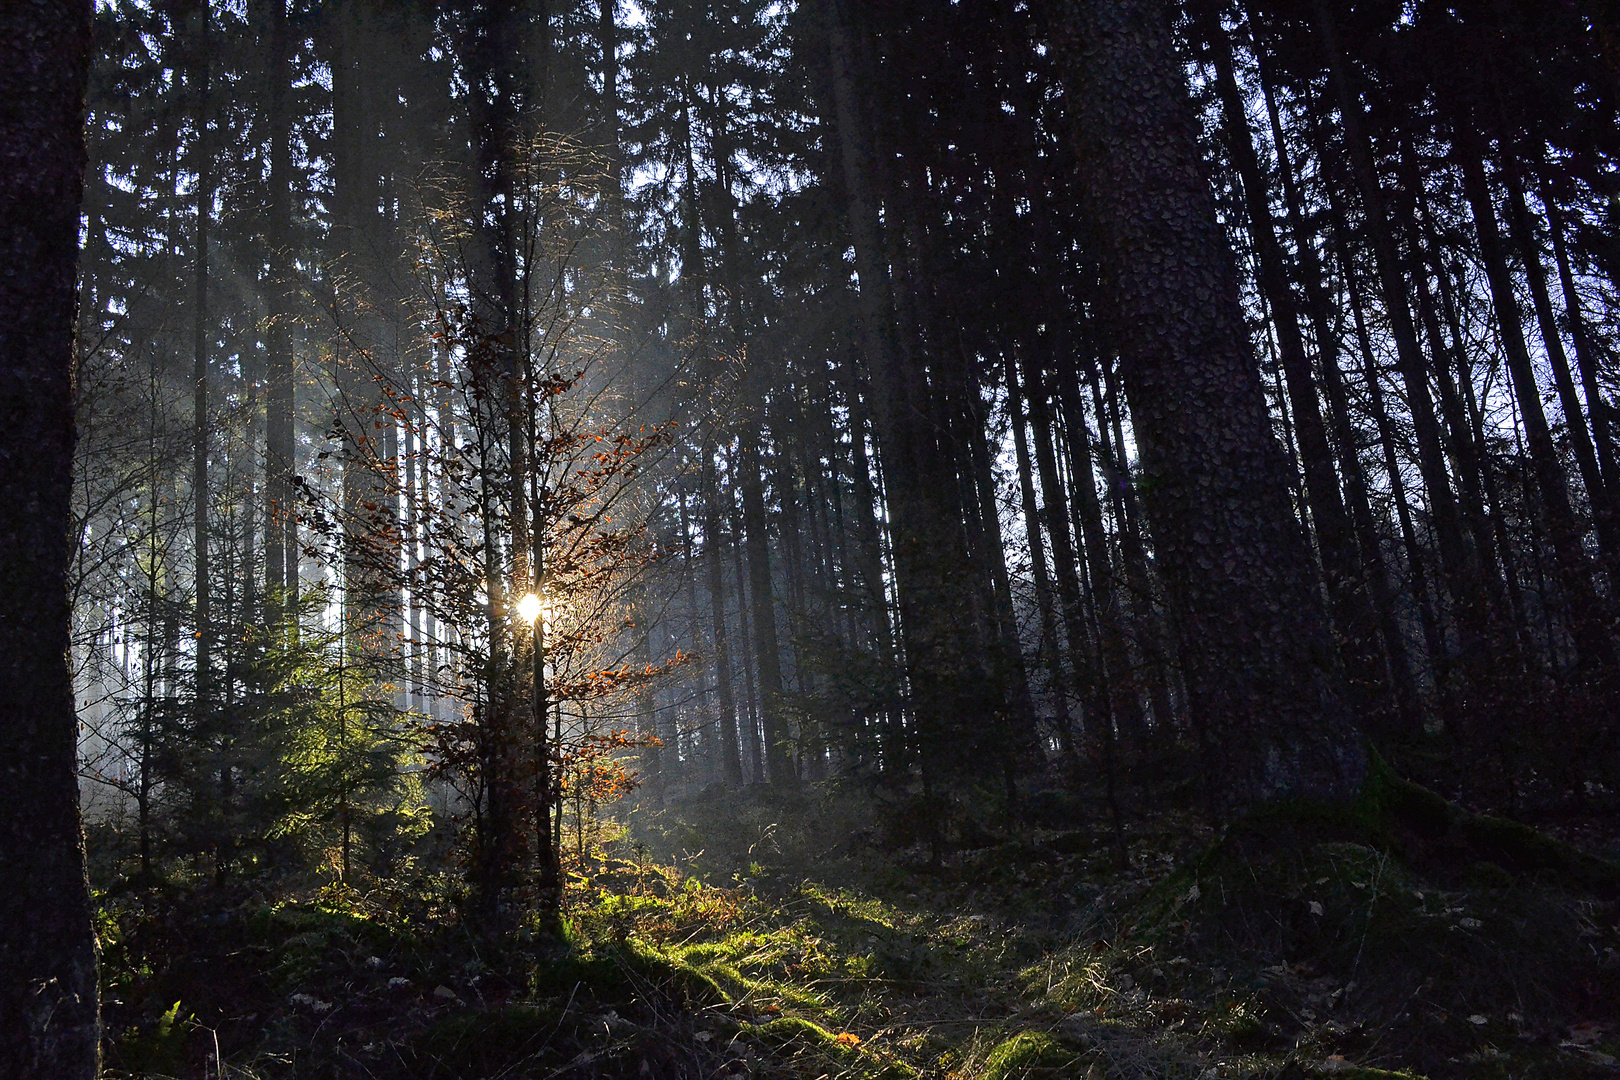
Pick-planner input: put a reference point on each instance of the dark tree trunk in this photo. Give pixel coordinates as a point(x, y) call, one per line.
point(730, 751)
point(1124, 681)
point(281, 530)
point(929, 551)
point(1152, 636)
point(1580, 438)
point(767, 657)
point(199, 78)
point(48, 993)
point(1458, 565)
point(750, 729)
point(1255, 647)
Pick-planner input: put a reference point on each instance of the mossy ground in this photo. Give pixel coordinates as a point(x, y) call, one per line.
point(721, 942)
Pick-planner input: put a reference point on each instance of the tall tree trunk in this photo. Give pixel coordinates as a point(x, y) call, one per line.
point(49, 1026)
point(750, 729)
point(281, 529)
point(1580, 438)
point(1254, 640)
point(730, 750)
point(1597, 409)
point(1475, 478)
point(607, 40)
point(767, 657)
point(204, 209)
point(1124, 682)
point(1152, 634)
point(927, 545)
point(1416, 559)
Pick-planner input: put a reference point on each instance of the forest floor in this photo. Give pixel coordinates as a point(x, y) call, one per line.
point(770, 935)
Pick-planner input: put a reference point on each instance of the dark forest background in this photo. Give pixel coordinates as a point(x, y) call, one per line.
point(823, 371)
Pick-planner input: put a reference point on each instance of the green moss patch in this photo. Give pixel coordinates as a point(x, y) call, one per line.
point(1027, 1056)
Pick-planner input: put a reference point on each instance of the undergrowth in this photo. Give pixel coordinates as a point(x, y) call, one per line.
point(1375, 942)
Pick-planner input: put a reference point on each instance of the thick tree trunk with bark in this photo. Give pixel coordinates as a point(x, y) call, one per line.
point(48, 995)
point(1259, 662)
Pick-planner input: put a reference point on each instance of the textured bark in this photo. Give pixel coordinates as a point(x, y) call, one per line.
point(1258, 659)
point(48, 995)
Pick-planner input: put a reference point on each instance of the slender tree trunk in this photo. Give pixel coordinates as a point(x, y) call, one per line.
point(204, 209)
point(767, 658)
point(1108, 707)
point(730, 750)
point(1152, 634)
point(1597, 409)
point(1476, 483)
point(1124, 679)
point(870, 565)
point(281, 530)
point(1580, 438)
point(927, 549)
point(750, 730)
point(607, 40)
